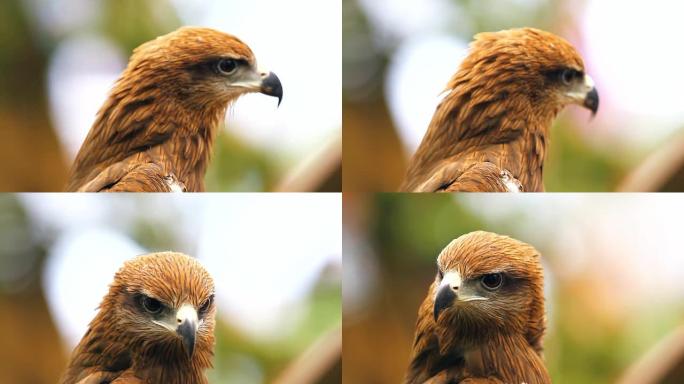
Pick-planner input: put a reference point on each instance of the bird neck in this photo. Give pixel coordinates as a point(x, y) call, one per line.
point(505, 128)
point(105, 348)
point(178, 370)
point(188, 152)
point(508, 357)
point(142, 122)
point(456, 351)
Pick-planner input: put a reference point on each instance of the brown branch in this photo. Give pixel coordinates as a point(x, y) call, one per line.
point(663, 363)
point(316, 361)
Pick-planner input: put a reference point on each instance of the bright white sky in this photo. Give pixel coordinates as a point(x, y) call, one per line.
point(299, 40)
point(630, 47)
point(265, 251)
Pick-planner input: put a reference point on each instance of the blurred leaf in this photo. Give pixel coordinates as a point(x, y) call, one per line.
point(133, 22)
point(573, 165)
point(419, 226)
point(238, 167)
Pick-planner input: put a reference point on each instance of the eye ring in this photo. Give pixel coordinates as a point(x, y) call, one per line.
point(151, 305)
point(226, 66)
point(492, 281)
point(567, 76)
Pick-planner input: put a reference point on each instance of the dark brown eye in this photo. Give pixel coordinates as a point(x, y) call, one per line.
point(207, 304)
point(568, 76)
point(226, 66)
point(440, 273)
point(152, 305)
point(492, 281)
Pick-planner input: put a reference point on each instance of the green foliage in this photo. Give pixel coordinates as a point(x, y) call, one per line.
point(576, 353)
point(21, 254)
point(573, 165)
point(494, 15)
point(132, 22)
point(418, 227)
point(237, 167)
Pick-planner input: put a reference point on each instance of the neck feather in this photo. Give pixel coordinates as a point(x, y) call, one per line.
point(152, 124)
point(106, 348)
point(504, 127)
point(508, 357)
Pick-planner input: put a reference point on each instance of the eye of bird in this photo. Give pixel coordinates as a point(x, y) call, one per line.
point(440, 273)
point(568, 76)
point(227, 66)
point(205, 306)
point(151, 305)
point(492, 281)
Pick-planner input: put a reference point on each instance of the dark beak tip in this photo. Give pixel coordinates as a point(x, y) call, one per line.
point(271, 86)
point(445, 297)
point(190, 350)
point(187, 333)
point(592, 102)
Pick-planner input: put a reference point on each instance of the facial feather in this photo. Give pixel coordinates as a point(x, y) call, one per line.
point(483, 316)
point(513, 306)
point(156, 323)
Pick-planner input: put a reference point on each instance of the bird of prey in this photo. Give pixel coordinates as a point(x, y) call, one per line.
point(156, 325)
point(483, 318)
point(155, 131)
point(490, 132)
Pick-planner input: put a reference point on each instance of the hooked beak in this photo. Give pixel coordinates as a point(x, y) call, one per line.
point(591, 101)
point(187, 321)
point(447, 292)
point(585, 94)
point(270, 85)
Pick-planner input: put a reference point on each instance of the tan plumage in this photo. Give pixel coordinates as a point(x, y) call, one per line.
point(156, 325)
point(155, 131)
point(472, 331)
point(496, 115)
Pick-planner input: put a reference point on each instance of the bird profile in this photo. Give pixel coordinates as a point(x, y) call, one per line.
point(156, 325)
point(155, 131)
point(490, 132)
point(483, 318)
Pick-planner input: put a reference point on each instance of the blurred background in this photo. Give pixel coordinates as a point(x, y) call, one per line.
point(59, 253)
point(614, 278)
point(59, 59)
point(399, 55)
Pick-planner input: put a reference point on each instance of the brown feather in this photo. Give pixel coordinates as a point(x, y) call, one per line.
point(482, 176)
point(123, 345)
point(485, 341)
point(165, 109)
point(498, 110)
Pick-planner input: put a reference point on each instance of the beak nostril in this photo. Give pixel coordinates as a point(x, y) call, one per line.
point(179, 321)
point(270, 85)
